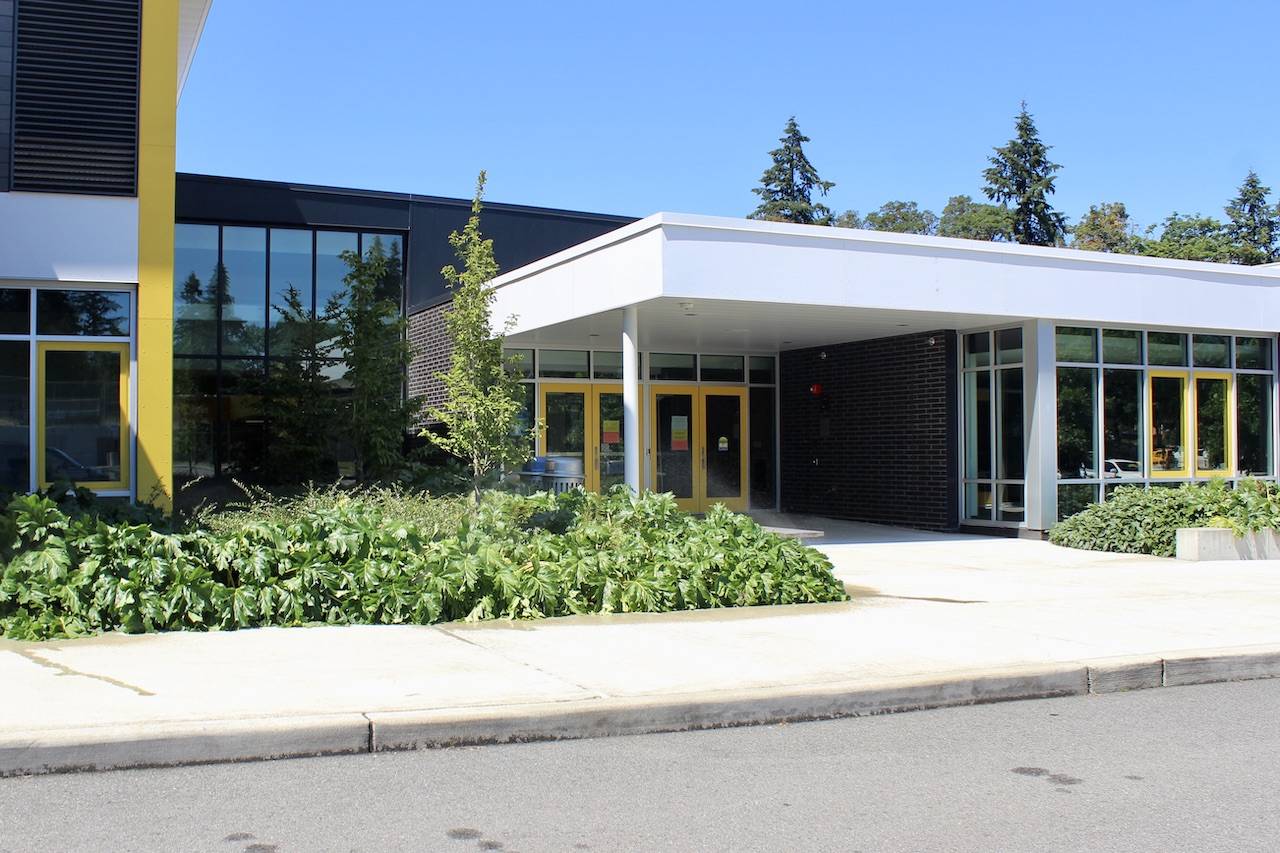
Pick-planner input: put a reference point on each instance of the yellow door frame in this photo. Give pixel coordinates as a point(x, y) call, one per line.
point(1227, 408)
point(1187, 438)
point(739, 503)
point(630, 444)
point(122, 348)
point(588, 424)
point(693, 502)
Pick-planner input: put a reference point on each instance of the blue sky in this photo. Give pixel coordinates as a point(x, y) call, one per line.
point(637, 107)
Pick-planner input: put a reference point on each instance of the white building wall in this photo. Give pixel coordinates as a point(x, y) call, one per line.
point(55, 237)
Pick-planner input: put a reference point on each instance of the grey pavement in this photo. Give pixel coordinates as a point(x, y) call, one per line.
point(1187, 769)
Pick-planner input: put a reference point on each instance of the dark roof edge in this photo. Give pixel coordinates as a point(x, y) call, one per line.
point(408, 197)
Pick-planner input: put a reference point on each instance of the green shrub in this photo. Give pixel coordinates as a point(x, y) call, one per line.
point(1137, 520)
point(374, 557)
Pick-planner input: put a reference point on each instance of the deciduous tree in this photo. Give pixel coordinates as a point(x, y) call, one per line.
point(974, 220)
point(1107, 228)
point(1190, 237)
point(902, 217)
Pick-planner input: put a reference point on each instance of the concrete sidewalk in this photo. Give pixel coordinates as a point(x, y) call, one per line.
point(934, 620)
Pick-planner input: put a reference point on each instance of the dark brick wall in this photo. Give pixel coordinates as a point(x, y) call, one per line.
point(427, 335)
point(880, 444)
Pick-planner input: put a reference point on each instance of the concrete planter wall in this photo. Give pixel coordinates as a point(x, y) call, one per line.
point(1217, 543)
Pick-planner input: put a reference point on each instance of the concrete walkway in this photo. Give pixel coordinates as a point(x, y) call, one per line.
point(927, 609)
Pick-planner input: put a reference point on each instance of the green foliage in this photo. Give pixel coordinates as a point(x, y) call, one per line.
point(1021, 174)
point(1191, 238)
point(372, 338)
point(1253, 225)
point(969, 220)
point(391, 557)
point(901, 217)
point(786, 187)
point(1107, 228)
point(1137, 520)
point(848, 219)
point(484, 401)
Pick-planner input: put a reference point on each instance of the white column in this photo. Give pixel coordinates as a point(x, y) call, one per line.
point(631, 397)
point(1040, 388)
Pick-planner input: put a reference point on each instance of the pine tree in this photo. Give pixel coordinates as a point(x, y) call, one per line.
point(1022, 174)
point(786, 188)
point(1253, 225)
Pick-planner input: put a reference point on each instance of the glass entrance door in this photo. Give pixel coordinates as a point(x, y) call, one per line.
point(724, 458)
point(699, 445)
point(83, 414)
point(565, 410)
point(610, 438)
point(674, 457)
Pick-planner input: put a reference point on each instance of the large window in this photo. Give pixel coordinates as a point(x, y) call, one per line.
point(1160, 407)
point(994, 434)
point(243, 299)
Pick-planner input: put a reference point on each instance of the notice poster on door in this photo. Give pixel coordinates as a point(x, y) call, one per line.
point(610, 433)
point(679, 432)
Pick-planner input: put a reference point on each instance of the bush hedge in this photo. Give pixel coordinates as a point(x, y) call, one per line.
point(1137, 520)
point(345, 559)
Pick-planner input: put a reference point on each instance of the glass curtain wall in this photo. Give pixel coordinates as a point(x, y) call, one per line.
point(246, 302)
point(1155, 407)
point(994, 431)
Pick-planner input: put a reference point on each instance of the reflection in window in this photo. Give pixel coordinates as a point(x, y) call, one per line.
point(195, 306)
point(977, 349)
point(977, 408)
point(566, 414)
point(1211, 424)
point(1253, 353)
point(1167, 348)
point(1168, 451)
point(15, 311)
point(761, 369)
point(244, 290)
point(195, 401)
point(562, 364)
point(390, 247)
point(606, 365)
point(243, 421)
point(1211, 350)
point(1012, 502)
point(977, 501)
point(1121, 346)
point(1074, 497)
point(672, 366)
point(290, 288)
point(721, 368)
point(83, 427)
point(1077, 427)
point(1121, 420)
point(1012, 448)
point(519, 362)
point(1075, 344)
point(99, 313)
point(1253, 424)
point(1009, 346)
point(330, 268)
point(15, 415)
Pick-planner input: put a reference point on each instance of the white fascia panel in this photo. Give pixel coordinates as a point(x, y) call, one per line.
point(57, 237)
point(618, 274)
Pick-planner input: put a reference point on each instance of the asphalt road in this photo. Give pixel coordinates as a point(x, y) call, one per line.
point(1188, 768)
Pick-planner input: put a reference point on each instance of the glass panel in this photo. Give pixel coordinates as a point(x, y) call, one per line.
point(290, 286)
point(566, 415)
point(1009, 346)
point(612, 460)
point(1012, 504)
point(674, 413)
point(723, 447)
point(1211, 424)
point(15, 311)
point(97, 313)
point(524, 421)
point(82, 417)
point(606, 365)
point(1253, 424)
point(1121, 346)
point(15, 415)
point(520, 362)
point(195, 305)
point(331, 270)
point(721, 368)
point(1077, 423)
point(1073, 497)
point(1253, 353)
point(1076, 344)
point(1121, 423)
point(1167, 423)
point(761, 370)
point(672, 366)
point(977, 501)
point(562, 364)
point(761, 459)
point(1167, 348)
point(243, 424)
point(1211, 350)
point(977, 349)
point(977, 433)
point(1012, 451)
point(244, 290)
point(390, 247)
point(195, 412)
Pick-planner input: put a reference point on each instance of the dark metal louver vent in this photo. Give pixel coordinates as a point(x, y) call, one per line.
point(75, 108)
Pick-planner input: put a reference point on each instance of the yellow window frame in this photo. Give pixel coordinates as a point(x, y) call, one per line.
point(1187, 438)
point(122, 348)
point(1227, 408)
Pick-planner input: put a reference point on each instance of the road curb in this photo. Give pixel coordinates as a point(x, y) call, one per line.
point(265, 738)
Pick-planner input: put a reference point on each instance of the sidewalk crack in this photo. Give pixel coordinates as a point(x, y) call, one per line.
point(63, 669)
point(590, 691)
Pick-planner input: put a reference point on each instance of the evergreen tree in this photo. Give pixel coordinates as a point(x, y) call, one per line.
point(1021, 174)
point(1191, 238)
point(901, 217)
point(786, 188)
point(1106, 228)
point(484, 404)
point(974, 220)
point(1254, 225)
